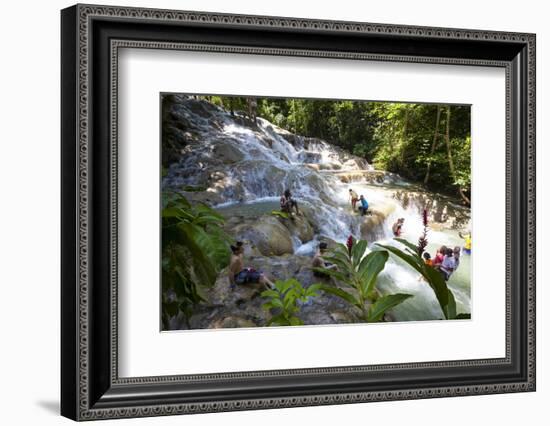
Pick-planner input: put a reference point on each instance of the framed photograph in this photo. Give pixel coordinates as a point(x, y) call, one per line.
point(263, 212)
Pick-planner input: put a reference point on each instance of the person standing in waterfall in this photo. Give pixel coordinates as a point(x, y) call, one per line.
point(353, 198)
point(397, 227)
point(287, 203)
point(364, 207)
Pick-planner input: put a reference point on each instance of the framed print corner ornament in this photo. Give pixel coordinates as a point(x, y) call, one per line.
point(263, 212)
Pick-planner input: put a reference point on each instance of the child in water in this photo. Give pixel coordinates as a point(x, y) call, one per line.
point(439, 256)
point(428, 259)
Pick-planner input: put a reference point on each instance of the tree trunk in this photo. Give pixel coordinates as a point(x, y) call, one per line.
point(434, 142)
point(404, 134)
point(450, 156)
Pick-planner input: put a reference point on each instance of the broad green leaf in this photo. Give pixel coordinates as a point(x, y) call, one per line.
point(269, 293)
point(358, 251)
point(343, 264)
point(374, 263)
point(295, 321)
point(277, 303)
point(409, 245)
point(194, 239)
point(451, 306)
point(385, 303)
point(283, 286)
point(333, 273)
point(438, 285)
point(410, 259)
point(342, 294)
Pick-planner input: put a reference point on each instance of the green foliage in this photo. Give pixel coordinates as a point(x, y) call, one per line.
point(194, 250)
point(385, 303)
point(397, 137)
point(359, 273)
point(284, 300)
point(435, 280)
point(281, 214)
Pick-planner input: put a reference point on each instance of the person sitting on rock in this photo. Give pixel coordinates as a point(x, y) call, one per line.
point(353, 198)
point(364, 207)
point(287, 203)
point(238, 274)
point(319, 262)
point(397, 227)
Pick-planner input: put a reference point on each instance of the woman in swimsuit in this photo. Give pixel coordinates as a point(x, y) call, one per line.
point(238, 274)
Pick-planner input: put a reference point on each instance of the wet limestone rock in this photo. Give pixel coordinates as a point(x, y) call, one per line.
point(372, 225)
point(267, 234)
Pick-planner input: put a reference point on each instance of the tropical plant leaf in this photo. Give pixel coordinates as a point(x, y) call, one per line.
point(338, 260)
point(385, 303)
point(372, 265)
point(407, 244)
point(451, 306)
point(269, 293)
point(333, 273)
point(433, 277)
point(438, 285)
point(195, 239)
point(295, 321)
point(358, 251)
point(408, 258)
point(341, 249)
point(342, 294)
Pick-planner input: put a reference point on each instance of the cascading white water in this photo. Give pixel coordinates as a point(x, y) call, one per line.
point(270, 160)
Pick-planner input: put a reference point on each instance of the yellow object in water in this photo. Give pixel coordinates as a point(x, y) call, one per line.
point(468, 242)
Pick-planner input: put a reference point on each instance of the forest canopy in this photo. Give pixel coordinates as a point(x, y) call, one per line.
point(427, 143)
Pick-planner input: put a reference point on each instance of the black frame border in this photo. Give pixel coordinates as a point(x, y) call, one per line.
point(90, 387)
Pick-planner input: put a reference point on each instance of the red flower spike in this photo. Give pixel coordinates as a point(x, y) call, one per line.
point(423, 240)
point(349, 244)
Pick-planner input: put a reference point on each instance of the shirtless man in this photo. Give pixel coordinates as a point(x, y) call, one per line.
point(238, 274)
point(397, 227)
point(288, 203)
point(319, 262)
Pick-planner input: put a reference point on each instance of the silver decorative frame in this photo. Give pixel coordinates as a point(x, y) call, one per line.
point(86, 408)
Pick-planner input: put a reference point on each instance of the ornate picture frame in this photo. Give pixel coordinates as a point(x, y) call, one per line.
point(91, 37)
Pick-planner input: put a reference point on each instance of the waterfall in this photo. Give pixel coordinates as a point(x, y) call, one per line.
point(245, 165)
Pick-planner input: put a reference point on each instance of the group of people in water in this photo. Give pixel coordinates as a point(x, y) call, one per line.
point(446, 259)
